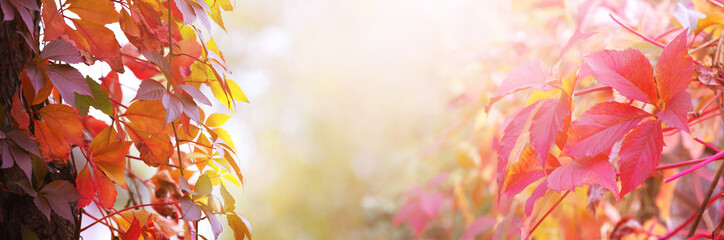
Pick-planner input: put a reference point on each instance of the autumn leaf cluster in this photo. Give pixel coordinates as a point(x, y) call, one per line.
point(162, 124)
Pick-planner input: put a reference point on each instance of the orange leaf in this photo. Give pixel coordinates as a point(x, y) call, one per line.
point(63, 120)
point(155, 149)
point(102, 12)
point(109, 154)
point(52, 20)
point(19, 114)
point(51, 143)
point(146, 115)
point(105, 189)
point(102, 42)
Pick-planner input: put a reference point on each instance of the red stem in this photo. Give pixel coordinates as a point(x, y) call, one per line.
point(118, 103)
point(635, 32)
point(697, 166)
point(547, 213)
point(126, 209)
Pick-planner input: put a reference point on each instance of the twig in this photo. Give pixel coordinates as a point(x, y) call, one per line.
point(708, 195)
point(547, 213)
point(648, 39)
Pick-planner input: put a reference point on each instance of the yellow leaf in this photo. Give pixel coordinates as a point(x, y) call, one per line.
point(217, 119)
point(224, 135)
point(109, 153)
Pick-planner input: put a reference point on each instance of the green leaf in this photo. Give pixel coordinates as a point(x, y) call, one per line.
point(228, 199)
point(27, 233)
point(203, 185)
point(99, 100)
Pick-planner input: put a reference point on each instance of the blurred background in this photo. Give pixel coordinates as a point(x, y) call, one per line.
point(350, 102)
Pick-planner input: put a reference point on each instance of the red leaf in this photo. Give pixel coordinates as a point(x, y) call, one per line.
point(589, 170)
point(61, 50)
point(600, 127)
point(544, 129)
point(86, 187)
point(19, 114)
point(93, 125)
point(111, 84)
point(68, 81)
point(676, 111)
point(674, 69)
point(140, 68)
point(134, 231)
point(627, 71)
point(640, 154)
point(528, 75)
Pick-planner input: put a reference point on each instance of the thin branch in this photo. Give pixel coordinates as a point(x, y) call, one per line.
point(706, 200)
point(126, 209)
point(648, 39)
point(547, 213)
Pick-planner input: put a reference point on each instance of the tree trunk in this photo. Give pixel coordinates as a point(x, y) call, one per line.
point(17, 209)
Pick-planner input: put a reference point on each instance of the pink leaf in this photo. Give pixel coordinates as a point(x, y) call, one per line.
point(430, 203)
point(191, 211)
point(675, 113)
point(216, 226)
point(539, 192)
point(479, 226)
point(600, 127)
point(548, 121)
point(674, 69)
point(510, 137)
point(61, 50)
point(68, 81)
point(173, 106)
point(149, 90)
point(56, 195)
point(36, 77)
point(195, 93)
point(629, 72)
point(528, 75)
point(589, 170)
point(190, 108)
point(640, 154)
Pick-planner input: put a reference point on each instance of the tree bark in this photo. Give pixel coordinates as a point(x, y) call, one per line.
point(19, 209)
